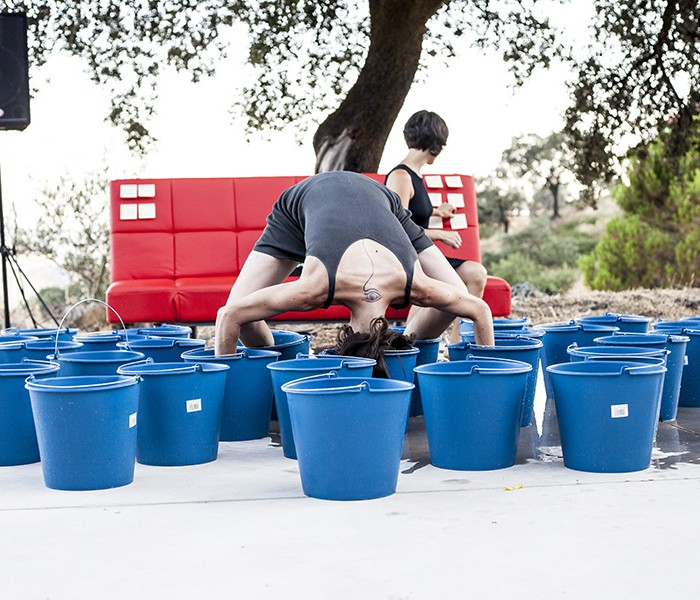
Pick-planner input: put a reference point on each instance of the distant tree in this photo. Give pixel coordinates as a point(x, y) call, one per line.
point(547, 162)
point(72, 230)
point(352, 60)
point(656, 242)
point(639, 77)
point(498, 200)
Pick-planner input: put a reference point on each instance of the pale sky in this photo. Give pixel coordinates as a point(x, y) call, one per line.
point(199, 137)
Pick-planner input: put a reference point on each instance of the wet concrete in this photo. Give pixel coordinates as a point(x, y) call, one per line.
point(677, 442)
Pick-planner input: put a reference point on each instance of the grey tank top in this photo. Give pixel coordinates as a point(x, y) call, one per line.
point(325, 214)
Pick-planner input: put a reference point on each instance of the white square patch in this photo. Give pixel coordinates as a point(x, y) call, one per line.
point(194, 405)
point(618, 411)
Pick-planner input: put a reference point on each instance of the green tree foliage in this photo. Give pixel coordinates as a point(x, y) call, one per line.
point(641, 75)
point(352, 60)
point(72, 230)
point(546, 161)
point(498, 200)
point(656, 242)
point(544, 254)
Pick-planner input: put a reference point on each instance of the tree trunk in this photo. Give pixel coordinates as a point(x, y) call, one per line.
point(353, 137)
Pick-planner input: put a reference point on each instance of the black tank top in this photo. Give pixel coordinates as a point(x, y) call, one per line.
point(419, 205)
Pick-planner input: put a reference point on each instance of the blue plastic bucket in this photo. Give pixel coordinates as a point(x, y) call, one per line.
point(559, 336)
point(626, 323)
point(41, 349)
point(427, 353)
point(689, 394)
point(524, 332)
point(663, 341)
point(16, 337)
point(248, 391)
point(100, 362)
point(162, 349)
point(86, 428)
point(499, 324)
point(13, 352)
point(687, 322)
point(289, 344)
point(102, 340)
point(18, 445)
point(180, 409)
point(473, 409)
point(400, 363)
point(577, 353)
point(607, 413)
point(285, 371)
point(164, 329)
point(348, 433)
point(527, 350)
point(65, 333)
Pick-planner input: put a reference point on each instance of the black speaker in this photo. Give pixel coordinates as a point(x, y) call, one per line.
point(14, 71)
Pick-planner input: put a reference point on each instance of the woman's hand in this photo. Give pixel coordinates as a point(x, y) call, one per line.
point(444, 211)
point(451, 238)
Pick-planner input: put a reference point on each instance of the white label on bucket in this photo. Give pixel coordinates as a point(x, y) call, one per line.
point(132, 420)
point(685, 360)
point(194, 405)
point(618, 411)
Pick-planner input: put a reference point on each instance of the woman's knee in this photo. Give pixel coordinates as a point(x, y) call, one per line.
point(474, 276)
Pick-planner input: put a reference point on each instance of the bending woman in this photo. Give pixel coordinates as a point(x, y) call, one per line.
point(426, 134)
point(360, 249)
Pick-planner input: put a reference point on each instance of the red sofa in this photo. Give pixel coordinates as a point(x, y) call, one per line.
point(178, 244)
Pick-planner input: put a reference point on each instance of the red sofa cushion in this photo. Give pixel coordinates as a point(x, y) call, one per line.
point(203, 204)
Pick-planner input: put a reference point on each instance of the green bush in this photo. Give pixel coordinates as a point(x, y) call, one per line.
point(518, 268)
point(656, 243)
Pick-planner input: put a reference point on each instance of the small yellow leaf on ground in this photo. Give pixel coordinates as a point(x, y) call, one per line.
point(514, 487)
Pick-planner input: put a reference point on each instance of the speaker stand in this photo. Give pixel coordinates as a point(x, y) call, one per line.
point(9, 259)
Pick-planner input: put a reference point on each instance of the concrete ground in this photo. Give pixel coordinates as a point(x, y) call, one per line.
point(240, 527)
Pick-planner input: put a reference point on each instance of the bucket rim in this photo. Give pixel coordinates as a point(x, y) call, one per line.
point(527, 346)
point(345, 384)
point(585, 368)
point(514, 367)
point(88, 356)
point(41, 331)
point(27, 367)
point(404, 352)
point(207, 354)
point(681, 331)
point(616, 317)
point(81, 383)
point(631, 339)
point(601, 349)
point(350, 362)
point(146, 369)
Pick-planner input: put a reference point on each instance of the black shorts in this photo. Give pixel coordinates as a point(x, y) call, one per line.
point(455, 262)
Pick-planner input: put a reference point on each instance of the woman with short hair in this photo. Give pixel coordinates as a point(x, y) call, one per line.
point(426, 134)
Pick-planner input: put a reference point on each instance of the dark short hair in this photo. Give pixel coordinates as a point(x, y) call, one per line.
point(373, 344)
point(426, 130)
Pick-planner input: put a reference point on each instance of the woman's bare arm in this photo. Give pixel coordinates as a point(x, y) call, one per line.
point(440, 303)
point(301, 295)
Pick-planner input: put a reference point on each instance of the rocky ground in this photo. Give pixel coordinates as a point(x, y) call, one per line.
point(666, 304)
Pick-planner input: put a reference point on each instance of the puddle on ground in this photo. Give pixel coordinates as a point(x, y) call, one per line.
point(677, 442)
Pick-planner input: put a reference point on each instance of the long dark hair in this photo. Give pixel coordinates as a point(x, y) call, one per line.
point(373, 344)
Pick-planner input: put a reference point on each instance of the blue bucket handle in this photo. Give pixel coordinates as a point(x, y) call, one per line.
point(186, 368)
point(630, 370)
point(332, 375)
point(70, 308)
